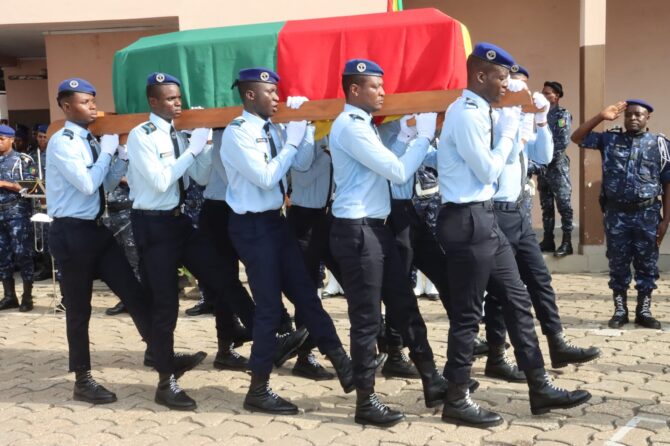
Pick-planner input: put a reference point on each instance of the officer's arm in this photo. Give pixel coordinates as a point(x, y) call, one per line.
point(201, 169)
point(238, 150)
point(217, 165)
point(360, 140)
point(86, 179)
point(610, 113)
point(320, 167)
point(118, 170)
point(562, 136)
point(305, 156)
point(431, 158)
point(142, 154)
point(540, 147)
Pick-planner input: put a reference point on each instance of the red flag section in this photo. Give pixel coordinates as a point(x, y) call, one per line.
point(419, 50)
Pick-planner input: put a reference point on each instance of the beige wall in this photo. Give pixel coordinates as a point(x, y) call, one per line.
point(27, 94)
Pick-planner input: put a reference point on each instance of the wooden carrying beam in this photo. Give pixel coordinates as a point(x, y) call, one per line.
point(326, 109)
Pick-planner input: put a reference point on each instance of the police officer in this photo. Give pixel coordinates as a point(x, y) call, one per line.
point(635, 173)
point(257, 155)
point(470, 160)
point(554, 183)
point(43, 265)
point(363, 244)
point(16, 235)
point(514, 221)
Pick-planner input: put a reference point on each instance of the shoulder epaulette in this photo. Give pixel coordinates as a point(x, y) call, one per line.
point(237, 122)
point(469, 103)
point(356, 117)
point(69, 133)
point(149, 128)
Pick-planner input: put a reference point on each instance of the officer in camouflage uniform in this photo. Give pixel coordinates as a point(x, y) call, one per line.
point(16, 235)
point(554, 184)
point(635, 173)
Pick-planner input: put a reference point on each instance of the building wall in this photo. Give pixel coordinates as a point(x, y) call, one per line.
point(27, 100)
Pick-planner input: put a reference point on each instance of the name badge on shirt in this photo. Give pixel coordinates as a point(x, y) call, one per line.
point(166, 154)
point(261, 140)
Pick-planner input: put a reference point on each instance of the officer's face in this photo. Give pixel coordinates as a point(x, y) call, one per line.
point(80, 108)
point(21, 144)
point(5, 144)
point(494, 82)
point(42, 140)
point(167, 103)
point(264, 98)
point(635, 118)
point(370, 93)
point(551, 95)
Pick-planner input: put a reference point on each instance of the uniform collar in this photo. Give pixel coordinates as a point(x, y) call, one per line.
point(160, 123)
point(348, 108)
point(76, 129)
point(256, 121)
point(475, 97)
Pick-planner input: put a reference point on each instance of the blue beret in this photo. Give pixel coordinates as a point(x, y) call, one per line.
point(518, 69)
point(76, 85)
point(494, 54)
point(641, 103)
point(362, 66)
point(162, 79)
point(42, 128)
point(6, 130)
point(258, 74)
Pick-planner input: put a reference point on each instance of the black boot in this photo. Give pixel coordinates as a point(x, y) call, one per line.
point(563, 353)
point(343, 367)
point(116, 309)
point(308, 367)
point(398, 365)
point(10, 300)
point(499, 366)
point(544, 396)
point(202, 307)
point(288, 344)
point(620, 315)
point(88, 390)
point(170, 395)
point(369, 410)
point(481, 347)
point(547, 244)
point(228, 359)
point(566, 246)
point(240, 333)
point(459, 409)
point(261, 398)
point(434, 384)
point(26, 297)
point(643, 315)
point(183, 362)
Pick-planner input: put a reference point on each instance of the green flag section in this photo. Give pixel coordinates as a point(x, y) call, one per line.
point(205, 60)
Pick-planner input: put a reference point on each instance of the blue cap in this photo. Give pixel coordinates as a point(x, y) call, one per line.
point(518, 69)
point(6, 130)
point(641, 103)
point(42, 128)
point(77, 85)
point(159, 78)
point(258, 74)
point(493, 54)
point(363, 67)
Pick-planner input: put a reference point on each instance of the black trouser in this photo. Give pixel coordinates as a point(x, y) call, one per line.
point(515, 223)
point(479, 257)
point(274, 263)
point(165, 242)
point(371, 268)
point(86, 250)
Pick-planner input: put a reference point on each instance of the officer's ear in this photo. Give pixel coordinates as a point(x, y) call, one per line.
point(250, 95)
point(354, 89)
point(481, 77)
point(153, 101)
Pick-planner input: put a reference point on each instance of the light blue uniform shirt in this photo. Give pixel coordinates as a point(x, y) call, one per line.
point(154, 170)
point(540, 148)
point(467, 166)
point(253, 175)
point(218, 181)
point(363, 166)
point(72, 179)
point(310, 188)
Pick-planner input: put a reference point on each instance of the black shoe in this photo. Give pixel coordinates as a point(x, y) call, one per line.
point(230, 360)
point(544, 396)
point(620, 315)
point(434, 384)
point(499, 366)
point(240, 334)
point(116, 309)
point(42, 274)
point(369, 410)
point(288, 344)
point(88, 390)
point(481, 347)
point(398, 365)
point(261, 398)
point(643, 315)
point(170, 395)
point(183, 362)
point(432, 296)
point(459, 409)
point(308, 367)
point(566, 246)
point(344, 369)
point(202, 307)
point(547, 244)
point(563, 353)
point(7, 303)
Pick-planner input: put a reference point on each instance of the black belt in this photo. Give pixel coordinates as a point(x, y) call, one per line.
point(485, 204)
point(116, 206)
point(270, 213)
point(176, 212)
point(630, 207)
point(96, 222)
point(9, 204)
point(365, 221)
point(506, 205)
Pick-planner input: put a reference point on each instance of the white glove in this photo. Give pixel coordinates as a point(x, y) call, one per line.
point(123, 152)
point(406, 133)
point(543, 104)
point(109, 143)
point(198, 140)
point(295, 132)
point(514, 85)
point(527, 126)
point(508, 122)
point(426, 124)
point(295, 102)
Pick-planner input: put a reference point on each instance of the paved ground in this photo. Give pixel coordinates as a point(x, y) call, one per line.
point(630, 386)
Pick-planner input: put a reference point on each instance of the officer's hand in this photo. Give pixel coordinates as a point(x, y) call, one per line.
point(407, 133)
point(515, 85)
point(198, 140)
point(295, 132)
point(425, 125)
point(613, 111)
point(295, 102)
point(123, 152)
point(109, 143)
point(509, 121)
point(527, 127)
point(542, 104)
point(660, 231)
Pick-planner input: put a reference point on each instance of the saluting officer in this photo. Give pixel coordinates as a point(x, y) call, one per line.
point(257, 155)
point(470, 160)
point(363, 244)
